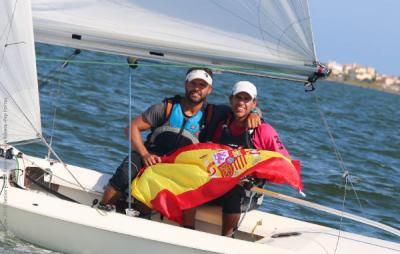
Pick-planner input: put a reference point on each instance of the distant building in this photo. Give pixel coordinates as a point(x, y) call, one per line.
point(358, 74)
point(348, 69)
point(336, 68)
point(388, 80)
point(365, 73)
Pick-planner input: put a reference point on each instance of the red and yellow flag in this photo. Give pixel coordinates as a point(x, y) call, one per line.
point(196, 174)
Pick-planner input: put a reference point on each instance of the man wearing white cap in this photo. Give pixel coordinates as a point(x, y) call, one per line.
point(233, 132)
point(174, 123)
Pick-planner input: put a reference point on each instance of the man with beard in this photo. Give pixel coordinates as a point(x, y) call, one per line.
point(174, 123)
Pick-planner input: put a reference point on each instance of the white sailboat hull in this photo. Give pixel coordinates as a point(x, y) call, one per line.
point(69, 227)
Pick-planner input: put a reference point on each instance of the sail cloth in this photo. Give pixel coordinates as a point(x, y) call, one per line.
point(19, 98)
point(196, 174)
point(267, 37)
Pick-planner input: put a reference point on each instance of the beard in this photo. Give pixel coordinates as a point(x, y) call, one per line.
point(196, 100)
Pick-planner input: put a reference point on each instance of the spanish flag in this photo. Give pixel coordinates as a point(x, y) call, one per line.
point(196, 174)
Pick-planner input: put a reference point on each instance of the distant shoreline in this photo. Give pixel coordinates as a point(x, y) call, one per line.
point(370, 85)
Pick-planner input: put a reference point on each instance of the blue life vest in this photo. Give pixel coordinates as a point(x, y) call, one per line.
point(177, 130)
point(191, 124)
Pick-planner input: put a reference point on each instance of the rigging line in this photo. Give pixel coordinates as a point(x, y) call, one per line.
point(233, 69)
point(335, 148)
point(341, 217)
point(59, 68)
point(54, 118)
point(129, 140)
point(39, 135)
point(244, 214)
point(249, 23)
point(8, 33)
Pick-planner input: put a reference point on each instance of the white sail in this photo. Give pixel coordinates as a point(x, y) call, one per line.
point(19, 98)
point(272, 37)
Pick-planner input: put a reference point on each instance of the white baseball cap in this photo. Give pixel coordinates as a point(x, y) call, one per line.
point(245, 86)
point(199, 74)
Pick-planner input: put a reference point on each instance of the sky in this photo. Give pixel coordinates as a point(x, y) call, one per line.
point(362, 31)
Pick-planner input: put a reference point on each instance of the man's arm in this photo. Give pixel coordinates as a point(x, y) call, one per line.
point(253, 119)
point(137, 126)
point(150, 118)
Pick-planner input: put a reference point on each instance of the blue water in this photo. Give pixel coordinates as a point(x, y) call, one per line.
point(92, 110)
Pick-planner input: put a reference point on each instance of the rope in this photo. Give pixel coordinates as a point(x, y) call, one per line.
point(335, 149)
point(129, 140)
point(339, 159)
point(59, 68)
point(244, 215)
point(54, 118)
point(345, 176)
point(258, 72)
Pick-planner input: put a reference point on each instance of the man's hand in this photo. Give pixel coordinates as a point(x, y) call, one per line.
point(150, 159)
point(253, 121)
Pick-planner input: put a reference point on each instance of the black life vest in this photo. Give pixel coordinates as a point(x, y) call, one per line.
point(243, 140)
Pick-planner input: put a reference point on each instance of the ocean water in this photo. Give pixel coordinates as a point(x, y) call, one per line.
point(90, 100)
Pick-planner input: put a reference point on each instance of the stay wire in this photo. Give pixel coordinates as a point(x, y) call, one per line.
point(53, 126)
point(339, 158)
point(341, 217)
point(335, 148)
point(57, 69)
point(244, 215)
point(254, 71)
point(129, 140)
point(38, 134)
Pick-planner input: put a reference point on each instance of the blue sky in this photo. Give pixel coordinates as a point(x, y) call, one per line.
point(362, 31)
